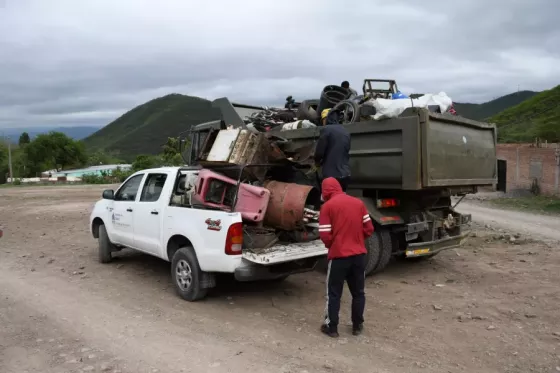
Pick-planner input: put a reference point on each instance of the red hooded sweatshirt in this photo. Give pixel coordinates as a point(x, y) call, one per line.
point(344, 222)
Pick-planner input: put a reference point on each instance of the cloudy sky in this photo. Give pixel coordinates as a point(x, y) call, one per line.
point(85, 62)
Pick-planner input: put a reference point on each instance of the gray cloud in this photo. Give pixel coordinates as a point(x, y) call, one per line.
point(65, 62)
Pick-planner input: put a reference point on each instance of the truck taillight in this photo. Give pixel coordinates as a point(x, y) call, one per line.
point(387, 202)
point(234, 239)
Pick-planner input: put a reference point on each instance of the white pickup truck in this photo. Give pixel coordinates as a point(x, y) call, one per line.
point(151, 212)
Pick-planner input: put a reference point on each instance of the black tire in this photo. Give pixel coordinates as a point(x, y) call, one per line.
point(106, 248)
point(373, 246)
point(186, 275)
point(308, 110)
point(332, 95)
point(386, 249)
point(351, 111)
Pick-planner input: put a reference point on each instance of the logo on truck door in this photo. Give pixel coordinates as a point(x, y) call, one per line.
point(214, 225)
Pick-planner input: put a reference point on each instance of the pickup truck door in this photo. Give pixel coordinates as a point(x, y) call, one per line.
point(121, 214)
point(148, 213)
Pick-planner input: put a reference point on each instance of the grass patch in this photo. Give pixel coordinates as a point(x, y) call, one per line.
point(46, 185)
point(549, 205)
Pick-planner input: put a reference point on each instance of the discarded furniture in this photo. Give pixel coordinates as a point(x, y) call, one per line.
point(218, 191)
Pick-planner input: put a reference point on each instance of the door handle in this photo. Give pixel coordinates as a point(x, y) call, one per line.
point(154, 212)
point(129, 210)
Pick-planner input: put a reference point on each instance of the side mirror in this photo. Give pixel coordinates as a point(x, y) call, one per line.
point(108, 194)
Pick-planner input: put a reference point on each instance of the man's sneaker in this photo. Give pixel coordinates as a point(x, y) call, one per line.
point(326, 330)
point(357, 329)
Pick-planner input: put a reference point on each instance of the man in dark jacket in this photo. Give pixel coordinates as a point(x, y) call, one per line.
point(346, 84)
point(332, 152)
point(344, 224)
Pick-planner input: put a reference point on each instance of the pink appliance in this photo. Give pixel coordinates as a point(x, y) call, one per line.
point(216, 190)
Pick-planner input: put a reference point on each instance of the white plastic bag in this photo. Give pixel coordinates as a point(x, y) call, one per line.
point(393, 108)
point(297, 125)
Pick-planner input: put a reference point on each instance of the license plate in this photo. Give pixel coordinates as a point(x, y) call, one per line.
point(417, 252)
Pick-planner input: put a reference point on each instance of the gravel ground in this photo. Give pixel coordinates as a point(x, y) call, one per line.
point(491, 306)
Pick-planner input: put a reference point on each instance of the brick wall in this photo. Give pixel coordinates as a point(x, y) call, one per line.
point(525, 162)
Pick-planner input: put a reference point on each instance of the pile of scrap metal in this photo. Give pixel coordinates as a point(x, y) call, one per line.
point(381, 99)
point(249, 173)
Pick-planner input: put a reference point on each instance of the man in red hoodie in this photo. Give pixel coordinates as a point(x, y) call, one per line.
point(344, 224)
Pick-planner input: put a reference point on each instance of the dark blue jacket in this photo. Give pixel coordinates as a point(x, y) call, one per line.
point(333, 149)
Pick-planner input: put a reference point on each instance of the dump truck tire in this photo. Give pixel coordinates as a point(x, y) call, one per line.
point(373, 246)
point(386, 250)
point(307, 111)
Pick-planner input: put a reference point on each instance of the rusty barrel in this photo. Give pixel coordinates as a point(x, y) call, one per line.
point(287, 203)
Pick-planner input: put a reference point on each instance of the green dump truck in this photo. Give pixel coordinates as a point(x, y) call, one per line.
point(406, 170)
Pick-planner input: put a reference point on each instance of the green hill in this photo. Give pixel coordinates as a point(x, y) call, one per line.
point(490, 108)
point(539, 116)
point(144, 129)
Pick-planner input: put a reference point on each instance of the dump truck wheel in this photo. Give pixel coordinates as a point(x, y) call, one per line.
point(105, 246)
point(386, 249)
point(373, 246)
point(306, 110)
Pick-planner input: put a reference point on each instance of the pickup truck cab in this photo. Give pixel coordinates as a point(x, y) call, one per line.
point(152, 212)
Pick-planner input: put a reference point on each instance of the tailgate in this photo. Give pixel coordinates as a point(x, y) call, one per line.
point(457, 151)
point(286, 253)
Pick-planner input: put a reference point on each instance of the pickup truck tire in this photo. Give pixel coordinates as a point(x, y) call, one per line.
point(187, 275)
point(373, 246)
point(105, 246)
point(386, 249)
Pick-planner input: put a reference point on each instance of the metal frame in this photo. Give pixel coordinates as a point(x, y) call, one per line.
point(392, 86)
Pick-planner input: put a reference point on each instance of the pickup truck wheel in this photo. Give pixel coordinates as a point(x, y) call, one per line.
point(373, 246)
point(386, 249)
point(186, 275)
point(105, 245)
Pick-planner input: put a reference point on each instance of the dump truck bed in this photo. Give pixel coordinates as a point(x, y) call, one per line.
point(417, 150)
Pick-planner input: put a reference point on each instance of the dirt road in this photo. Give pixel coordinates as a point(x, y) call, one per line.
point(488, 307)
point(539, 227)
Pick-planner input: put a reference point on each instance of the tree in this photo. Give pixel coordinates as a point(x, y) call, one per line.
point(56, 150)
point(99, 158)
point(172, 152)
point(144, 161)
point(24, 139)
